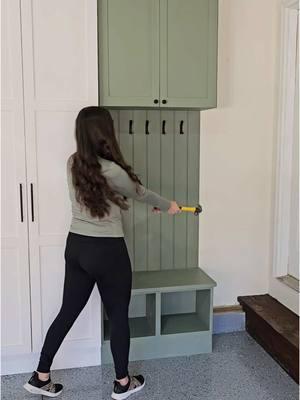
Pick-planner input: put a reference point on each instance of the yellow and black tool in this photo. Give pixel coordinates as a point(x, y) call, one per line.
point(196, 210)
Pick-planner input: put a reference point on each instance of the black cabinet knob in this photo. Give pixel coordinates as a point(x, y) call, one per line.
point(155, 101)
point(164, 101)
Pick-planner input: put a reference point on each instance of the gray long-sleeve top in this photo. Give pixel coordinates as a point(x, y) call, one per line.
point(110, 225)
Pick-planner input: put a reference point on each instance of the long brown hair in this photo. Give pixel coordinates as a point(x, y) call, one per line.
point(95, 136)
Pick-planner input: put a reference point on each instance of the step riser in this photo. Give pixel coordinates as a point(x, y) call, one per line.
point(276, 345)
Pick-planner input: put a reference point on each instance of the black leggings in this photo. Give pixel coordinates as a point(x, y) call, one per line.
point(90, 260)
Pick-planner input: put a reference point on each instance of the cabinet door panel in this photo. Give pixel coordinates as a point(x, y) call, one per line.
point(15, 299)
point(188, 53)
point(129, 51)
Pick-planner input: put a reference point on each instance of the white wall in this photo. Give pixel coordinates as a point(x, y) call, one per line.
point(237, 145)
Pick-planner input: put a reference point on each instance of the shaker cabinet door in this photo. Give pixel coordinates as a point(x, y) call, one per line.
point(188, 53)
point(129, 52)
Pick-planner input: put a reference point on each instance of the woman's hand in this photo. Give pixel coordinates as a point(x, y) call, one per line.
point(174, 209)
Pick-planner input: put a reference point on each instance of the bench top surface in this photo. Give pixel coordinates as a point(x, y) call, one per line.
point(175, 278)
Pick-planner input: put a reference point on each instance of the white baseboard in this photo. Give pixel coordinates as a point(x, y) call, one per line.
point(68, 358)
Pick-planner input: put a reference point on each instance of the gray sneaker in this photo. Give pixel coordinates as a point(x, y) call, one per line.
point(135, 384)
point(45, 388)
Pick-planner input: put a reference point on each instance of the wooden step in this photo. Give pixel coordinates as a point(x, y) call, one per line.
point(275, 328)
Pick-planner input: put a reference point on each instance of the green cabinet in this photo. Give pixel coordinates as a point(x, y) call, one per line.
point(158, 53)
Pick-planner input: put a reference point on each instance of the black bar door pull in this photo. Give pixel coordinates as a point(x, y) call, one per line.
point(32, 203)
point(21, 202)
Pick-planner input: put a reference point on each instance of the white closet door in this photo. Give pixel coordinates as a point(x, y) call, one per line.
point(60, 76)
point(16, 336)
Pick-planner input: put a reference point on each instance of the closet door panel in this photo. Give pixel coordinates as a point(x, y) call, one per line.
point(15, 299)
point(54, 143)
point(63, 55)
point(60, 77)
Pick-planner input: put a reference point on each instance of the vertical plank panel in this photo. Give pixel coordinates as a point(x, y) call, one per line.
point(153, 170)
point(180, 189)
point(140, 209)
point(193, 187)
point(115, 116)
point(167, 189)
point(126, 144)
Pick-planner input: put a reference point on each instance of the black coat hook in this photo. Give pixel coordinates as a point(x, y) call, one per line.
point(147, 127)
point(181, 128)
point(130, 126)
point(163, 127)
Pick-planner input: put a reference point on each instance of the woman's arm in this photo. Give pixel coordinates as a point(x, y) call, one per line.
point(120, 181)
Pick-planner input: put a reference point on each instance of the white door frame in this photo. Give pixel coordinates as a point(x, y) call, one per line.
point(289, 13)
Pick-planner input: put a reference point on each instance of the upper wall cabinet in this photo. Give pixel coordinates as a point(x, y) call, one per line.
point(158, 53)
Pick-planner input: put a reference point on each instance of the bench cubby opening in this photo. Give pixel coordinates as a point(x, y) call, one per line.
point(141, 316)
point(185, 311)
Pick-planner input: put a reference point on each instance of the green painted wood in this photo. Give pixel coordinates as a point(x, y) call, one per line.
point(142, 316)
point(188, 53)
point(167, 188)
point(115, 116)
point(126, 145)
point(182, 323)
point(171, 280)
point(151, 312)
point(180, 189)
point(158, 313)
point(129, 52)
point(193, 157)
point(140, 211)
point(139, 327)
point(153, 180)
point(179, 302)
point(167, 164)
point(175, 334)
point(203, 306)
point(191, 311)
point(151, 347)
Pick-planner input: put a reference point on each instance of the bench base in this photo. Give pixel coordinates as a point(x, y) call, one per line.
point(170, 315)
point(163, 346)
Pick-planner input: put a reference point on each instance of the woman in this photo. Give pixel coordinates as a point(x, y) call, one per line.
point(99, 182)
